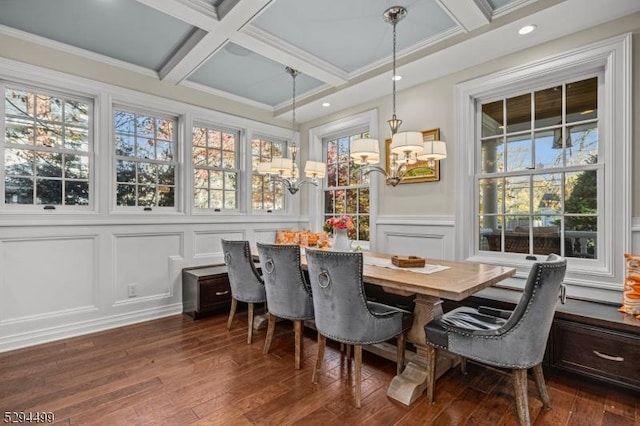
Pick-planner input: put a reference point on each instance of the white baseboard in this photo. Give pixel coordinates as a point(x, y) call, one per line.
point(46, 335)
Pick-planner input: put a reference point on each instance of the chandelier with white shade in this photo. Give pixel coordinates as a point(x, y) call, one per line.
point(284, 170)
point(406, 147)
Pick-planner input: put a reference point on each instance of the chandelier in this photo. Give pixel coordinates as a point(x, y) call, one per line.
point(406, 147)
point(284, 170)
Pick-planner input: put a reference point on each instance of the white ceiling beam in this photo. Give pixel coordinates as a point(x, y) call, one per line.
point(276, 49)
point(189, 12)
point(191, 57)
point(467, 13)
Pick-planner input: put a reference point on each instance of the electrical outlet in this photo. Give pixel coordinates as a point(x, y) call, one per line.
point(132, 290)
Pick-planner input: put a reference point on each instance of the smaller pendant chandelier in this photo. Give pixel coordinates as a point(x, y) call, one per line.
point(284, 170)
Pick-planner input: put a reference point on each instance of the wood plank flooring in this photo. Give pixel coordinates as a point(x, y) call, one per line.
point(176, 371)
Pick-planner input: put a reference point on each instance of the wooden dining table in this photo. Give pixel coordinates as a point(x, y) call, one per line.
point(457, 281)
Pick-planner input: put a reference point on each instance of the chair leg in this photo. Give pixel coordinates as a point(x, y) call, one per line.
point(542, 388)
point(463, 365)
point(520, 389)
point(431, 372)
point(319, 357)
point(298, 327)
point(348, 353)
point(250, 320)
point(270, 330)
point(400, 354)
point(357, 353)
point(232, 312)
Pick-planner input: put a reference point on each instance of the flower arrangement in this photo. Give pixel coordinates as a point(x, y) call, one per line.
point(339, 222)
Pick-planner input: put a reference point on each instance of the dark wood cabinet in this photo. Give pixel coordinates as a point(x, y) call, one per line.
point(205, 291)
point(597, 352)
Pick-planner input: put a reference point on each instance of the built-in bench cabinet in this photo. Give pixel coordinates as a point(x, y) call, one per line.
point(587, 338)
point(205, 291)
point(597, 352)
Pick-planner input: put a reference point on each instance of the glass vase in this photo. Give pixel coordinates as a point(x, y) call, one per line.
point(341, 240)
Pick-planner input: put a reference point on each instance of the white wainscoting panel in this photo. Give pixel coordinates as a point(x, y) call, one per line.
point(425, 236)
point(144, 262)
point(42, 277)
point(208, 243)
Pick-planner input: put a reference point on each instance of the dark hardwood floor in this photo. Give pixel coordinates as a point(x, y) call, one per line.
point(175, 371)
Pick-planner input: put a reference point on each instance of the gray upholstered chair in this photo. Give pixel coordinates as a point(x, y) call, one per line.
point(244, 279)
point(343, 314)
point(514, 340)
point(288, 294)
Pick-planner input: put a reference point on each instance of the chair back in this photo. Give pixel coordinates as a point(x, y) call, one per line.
point(340, 303)
point(288, 294)
point(521, 341)
point(244, 279)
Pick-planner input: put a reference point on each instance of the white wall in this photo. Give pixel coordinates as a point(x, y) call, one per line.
point(60, 281)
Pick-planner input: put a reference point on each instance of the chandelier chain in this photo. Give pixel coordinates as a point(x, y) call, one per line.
point(393, 77)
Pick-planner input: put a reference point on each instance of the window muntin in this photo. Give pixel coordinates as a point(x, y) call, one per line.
point(347, 189)
point(266, 195)
point(538, 175)
point(145, 160)
point(215, 168)
point(47, 148)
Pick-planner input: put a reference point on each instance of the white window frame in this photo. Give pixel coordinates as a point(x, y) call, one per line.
point(236, 168)
point(176, 162)
point(613, 58)
point(250, 172)
point(90, 153)
point(367, 120)
point(324, 184)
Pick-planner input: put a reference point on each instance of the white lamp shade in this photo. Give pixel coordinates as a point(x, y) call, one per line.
point(360, 147)
point(368, 148)
point(407, 141)
point(264, 167)
point(434, 150)
point(315, 169)
point(281, 165)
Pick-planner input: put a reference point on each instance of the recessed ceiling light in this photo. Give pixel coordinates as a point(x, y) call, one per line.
point(326, 104)
point(527, 29)
point(396, 77)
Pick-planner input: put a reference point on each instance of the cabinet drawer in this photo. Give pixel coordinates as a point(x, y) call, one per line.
point(214, 292)
point(597, 352)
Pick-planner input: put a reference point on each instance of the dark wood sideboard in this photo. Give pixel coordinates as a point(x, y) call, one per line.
point(587, 338)
point(205, 291)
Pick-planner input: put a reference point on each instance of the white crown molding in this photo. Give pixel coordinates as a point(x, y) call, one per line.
point(32, 38)
point(279, 50)
point(226, 95)
point(198, 14)
point(467, 13)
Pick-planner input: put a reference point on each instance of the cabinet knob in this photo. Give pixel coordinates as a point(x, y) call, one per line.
point(222, 293)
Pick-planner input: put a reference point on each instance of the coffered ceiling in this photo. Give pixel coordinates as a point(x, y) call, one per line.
point(238, 49)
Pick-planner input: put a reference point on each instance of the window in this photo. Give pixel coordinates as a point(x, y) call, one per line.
point(145, 147)
point(265, 195)
point(347, 190)
point(47, 148)
point(544, 165)
point(538, 171)
point(215, 168)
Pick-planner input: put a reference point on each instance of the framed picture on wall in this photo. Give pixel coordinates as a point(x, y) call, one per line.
point(420, 171)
